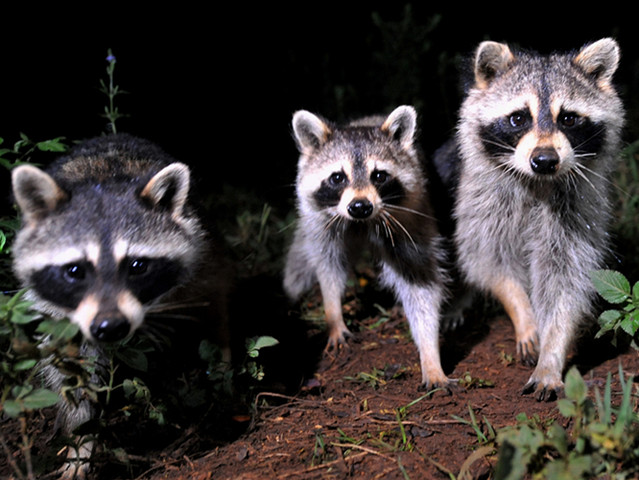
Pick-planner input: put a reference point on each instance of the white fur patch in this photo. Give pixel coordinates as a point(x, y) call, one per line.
point(85, 313)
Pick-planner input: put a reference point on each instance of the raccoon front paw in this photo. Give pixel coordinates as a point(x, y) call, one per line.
point(543, 392)
point(528, 350)
point(77, 464)
point(337, 339)
point(72, 470)
point(444, 386)
point(451, 321)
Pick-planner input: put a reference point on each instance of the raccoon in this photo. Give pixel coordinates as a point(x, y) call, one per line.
point(537, 139)
point(108, 235)
point(362, 187)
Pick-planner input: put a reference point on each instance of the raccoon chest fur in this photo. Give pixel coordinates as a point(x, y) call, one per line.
point(538, 138)
point(361, 187)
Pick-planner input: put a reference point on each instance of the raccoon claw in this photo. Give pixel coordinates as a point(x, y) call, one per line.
point(337, 341)
point(542, 393)
point(528, 352)
point(447, 387)
point(451, 322)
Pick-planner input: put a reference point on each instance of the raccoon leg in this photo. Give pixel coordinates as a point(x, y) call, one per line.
point(557, 333)
point(70, 416)
point(299, 274)
point(422, 304)
point(517, 305)
point(332, 284)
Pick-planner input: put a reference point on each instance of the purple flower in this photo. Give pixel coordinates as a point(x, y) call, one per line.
point(111, 58)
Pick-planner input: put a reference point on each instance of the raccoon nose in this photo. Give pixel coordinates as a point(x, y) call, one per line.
point(110, 328)
point(544, 161)
point(360, 208)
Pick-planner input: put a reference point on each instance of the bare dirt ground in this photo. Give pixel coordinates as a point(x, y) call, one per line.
point(358, 414)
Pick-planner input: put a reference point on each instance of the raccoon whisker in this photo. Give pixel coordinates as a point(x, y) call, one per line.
point(167, 307)
point(334, 220)
point(387, 227)
point(594, 135)
point(601, 177)
point(393, 220)
point(585, 154)
point(406, 209)
point(578, 171)
point(499, 143)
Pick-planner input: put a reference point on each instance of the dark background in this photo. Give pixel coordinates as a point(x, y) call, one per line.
point(216, 87)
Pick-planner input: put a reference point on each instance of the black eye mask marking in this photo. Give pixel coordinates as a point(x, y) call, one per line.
point(503, 135)
point(64, 285)
point(330, 191)
point(148, 278)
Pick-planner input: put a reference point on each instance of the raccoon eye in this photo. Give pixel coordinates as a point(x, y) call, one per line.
point(337, 178)
point(568, 119)
point(74, 272)
point(379, 176)
point(518, 119)
point(138, 266)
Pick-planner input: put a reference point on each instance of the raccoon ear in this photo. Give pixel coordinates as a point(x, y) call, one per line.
point(401, 125)
point(491, 59)
point(169, 188)
point(599, 60)
point(310, 131)
point(36, 192)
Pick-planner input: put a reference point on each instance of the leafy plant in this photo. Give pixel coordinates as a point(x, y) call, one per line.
point(222, 374)
point(111, 90)
point(615, 288)
point(22, 150)
point(603, 441)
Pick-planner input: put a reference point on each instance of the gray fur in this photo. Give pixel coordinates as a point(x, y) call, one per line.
point(529, 238)
point(400, 229)
point(111, 204)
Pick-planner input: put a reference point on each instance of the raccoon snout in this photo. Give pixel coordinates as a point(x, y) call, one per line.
point(360, 208)
point(544, 161)
point(110, 328)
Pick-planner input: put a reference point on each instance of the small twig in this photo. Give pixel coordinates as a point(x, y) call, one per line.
point(26, 447)
point(364, 449)
point(10, 460)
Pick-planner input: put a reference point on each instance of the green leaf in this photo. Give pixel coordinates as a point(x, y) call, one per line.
point(576, 389)
point(133, 358)
point(12, 408)
point(62, 330)
point(566, 407)
point(40, 398)
point(629, 325)
point(265, 341)
point(608, 320)
point(25, 364)
point(53, 145)
point(611, 285)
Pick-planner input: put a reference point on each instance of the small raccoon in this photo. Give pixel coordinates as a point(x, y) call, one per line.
point(109, 235)
point(362, 186)
point(538, 137)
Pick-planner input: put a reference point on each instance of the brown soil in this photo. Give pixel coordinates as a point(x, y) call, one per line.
point(357, 414)
point(344, 421)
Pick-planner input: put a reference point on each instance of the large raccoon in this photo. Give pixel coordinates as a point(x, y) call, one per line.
point(538, 138)
point(362, 186)
point(108, 236)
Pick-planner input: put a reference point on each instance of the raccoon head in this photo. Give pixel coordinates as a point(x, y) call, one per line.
point(101, 255)
point(355, 172)
point(542, 116)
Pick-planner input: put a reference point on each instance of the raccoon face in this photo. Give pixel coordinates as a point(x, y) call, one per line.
point(99, 255)
point(356, 173)
point(544, 116)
